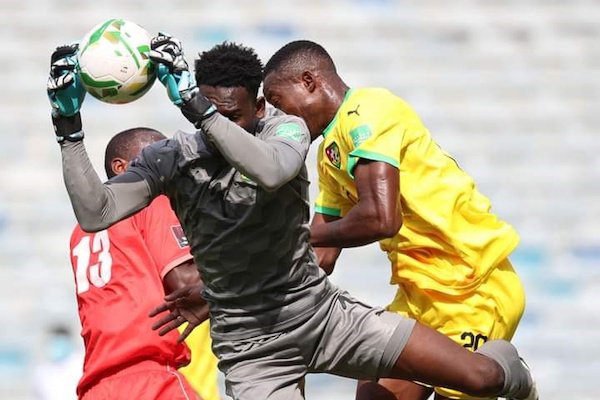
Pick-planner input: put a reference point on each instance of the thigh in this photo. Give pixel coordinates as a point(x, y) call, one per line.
point(266, 367)
point(167, 384)
point(358, 341)
point(392, 389)
point(266, 379)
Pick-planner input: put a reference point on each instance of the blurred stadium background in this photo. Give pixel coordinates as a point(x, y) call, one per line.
point(510, 88)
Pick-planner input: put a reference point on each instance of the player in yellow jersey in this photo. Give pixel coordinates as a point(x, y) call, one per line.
point(201, 372)
point(382, 178)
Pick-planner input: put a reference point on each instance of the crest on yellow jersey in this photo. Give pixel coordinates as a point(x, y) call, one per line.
point(333, 154)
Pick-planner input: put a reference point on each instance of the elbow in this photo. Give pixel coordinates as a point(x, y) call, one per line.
point(387, 226)
point(271, 187)
point(91, 225)
point(327, 266)
point(272, 183)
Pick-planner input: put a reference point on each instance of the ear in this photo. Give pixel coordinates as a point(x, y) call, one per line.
point(118, 165)
point(308, 81)
point(261, 105)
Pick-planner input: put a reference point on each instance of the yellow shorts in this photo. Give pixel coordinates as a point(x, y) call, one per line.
point(201, 372)
point(492, 311)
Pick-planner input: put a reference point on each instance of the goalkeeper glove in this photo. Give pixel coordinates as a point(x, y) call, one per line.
point(66, 94)
point(174, 74)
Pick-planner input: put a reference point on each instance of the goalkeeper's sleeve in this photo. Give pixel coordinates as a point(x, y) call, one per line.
point(99, 205)
point(271, 160)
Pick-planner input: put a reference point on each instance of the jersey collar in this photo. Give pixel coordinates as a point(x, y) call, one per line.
point(334, 120)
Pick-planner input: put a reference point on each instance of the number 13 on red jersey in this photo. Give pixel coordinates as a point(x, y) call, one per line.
point(100, 272)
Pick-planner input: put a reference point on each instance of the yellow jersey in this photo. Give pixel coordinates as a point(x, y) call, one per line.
point(449, 241)
point(201, 372)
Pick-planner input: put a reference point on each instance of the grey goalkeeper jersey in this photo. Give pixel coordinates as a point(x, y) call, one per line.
point(251, 243)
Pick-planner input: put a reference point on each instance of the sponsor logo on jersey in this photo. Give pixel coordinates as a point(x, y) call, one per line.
point(290, 131)
point(360, 134)
point(355, 111)
point(180, 237)
point(333, 154)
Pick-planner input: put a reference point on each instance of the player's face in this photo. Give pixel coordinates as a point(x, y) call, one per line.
point(284, 94)
point(236, 104)
point(294, 97)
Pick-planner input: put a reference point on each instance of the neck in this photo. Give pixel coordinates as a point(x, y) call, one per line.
point(334, 93)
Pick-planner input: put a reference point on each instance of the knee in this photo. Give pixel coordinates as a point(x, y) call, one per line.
point(485, 379)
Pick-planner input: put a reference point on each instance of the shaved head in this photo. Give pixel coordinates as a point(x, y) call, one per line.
point(127, 145)
point(300, 55)
point(301, 79)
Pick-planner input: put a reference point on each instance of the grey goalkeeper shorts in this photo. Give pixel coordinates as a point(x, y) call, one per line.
point(344, 337)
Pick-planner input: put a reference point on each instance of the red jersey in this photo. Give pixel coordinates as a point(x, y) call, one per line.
point(118, 276)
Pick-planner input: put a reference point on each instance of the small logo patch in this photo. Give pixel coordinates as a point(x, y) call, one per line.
point(333, 154)
point(182, 240)
point(360, 134)
point(246, 179)
point(290, 131)
point(355, 111)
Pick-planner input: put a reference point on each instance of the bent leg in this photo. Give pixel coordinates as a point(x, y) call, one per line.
point(432, 358)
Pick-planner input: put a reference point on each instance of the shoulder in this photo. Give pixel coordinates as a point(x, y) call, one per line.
point(160, 205)
point(374, 109)
point(155, 151)
point(284, 126)
point(370, 103)
point(372, 95)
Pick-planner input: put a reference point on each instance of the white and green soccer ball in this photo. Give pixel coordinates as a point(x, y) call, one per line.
point(113, 61)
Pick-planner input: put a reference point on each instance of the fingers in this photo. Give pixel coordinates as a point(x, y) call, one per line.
point(167, 50)
point(159, 40)
point(64, 51)
point(172, 316)
point(173, 325)
point(60, 82)
point(164, 57)
point(160, 309)
point(178, 294)
point(186, 332)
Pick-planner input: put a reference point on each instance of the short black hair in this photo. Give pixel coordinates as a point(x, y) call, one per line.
point(298, 50)
point(123, 144)
point(230, 65)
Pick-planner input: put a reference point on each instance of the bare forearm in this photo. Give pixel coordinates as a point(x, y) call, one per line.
point(327, 256)
point(359, 227)
point(181, 276)
point(96, 205)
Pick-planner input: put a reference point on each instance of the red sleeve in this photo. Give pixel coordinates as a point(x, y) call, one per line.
point(164, 236)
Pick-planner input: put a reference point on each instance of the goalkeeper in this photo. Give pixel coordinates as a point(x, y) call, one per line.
point(241, 197)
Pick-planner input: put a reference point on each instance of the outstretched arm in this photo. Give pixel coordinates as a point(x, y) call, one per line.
point(97, 205)
point(378, 214)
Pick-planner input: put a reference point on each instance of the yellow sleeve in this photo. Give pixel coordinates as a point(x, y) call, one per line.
point(378, 132)
point(330, 201)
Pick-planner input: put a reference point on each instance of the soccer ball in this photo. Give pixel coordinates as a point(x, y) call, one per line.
point(113, 61)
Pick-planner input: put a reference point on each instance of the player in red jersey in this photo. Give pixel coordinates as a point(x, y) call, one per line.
point(121, 273)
